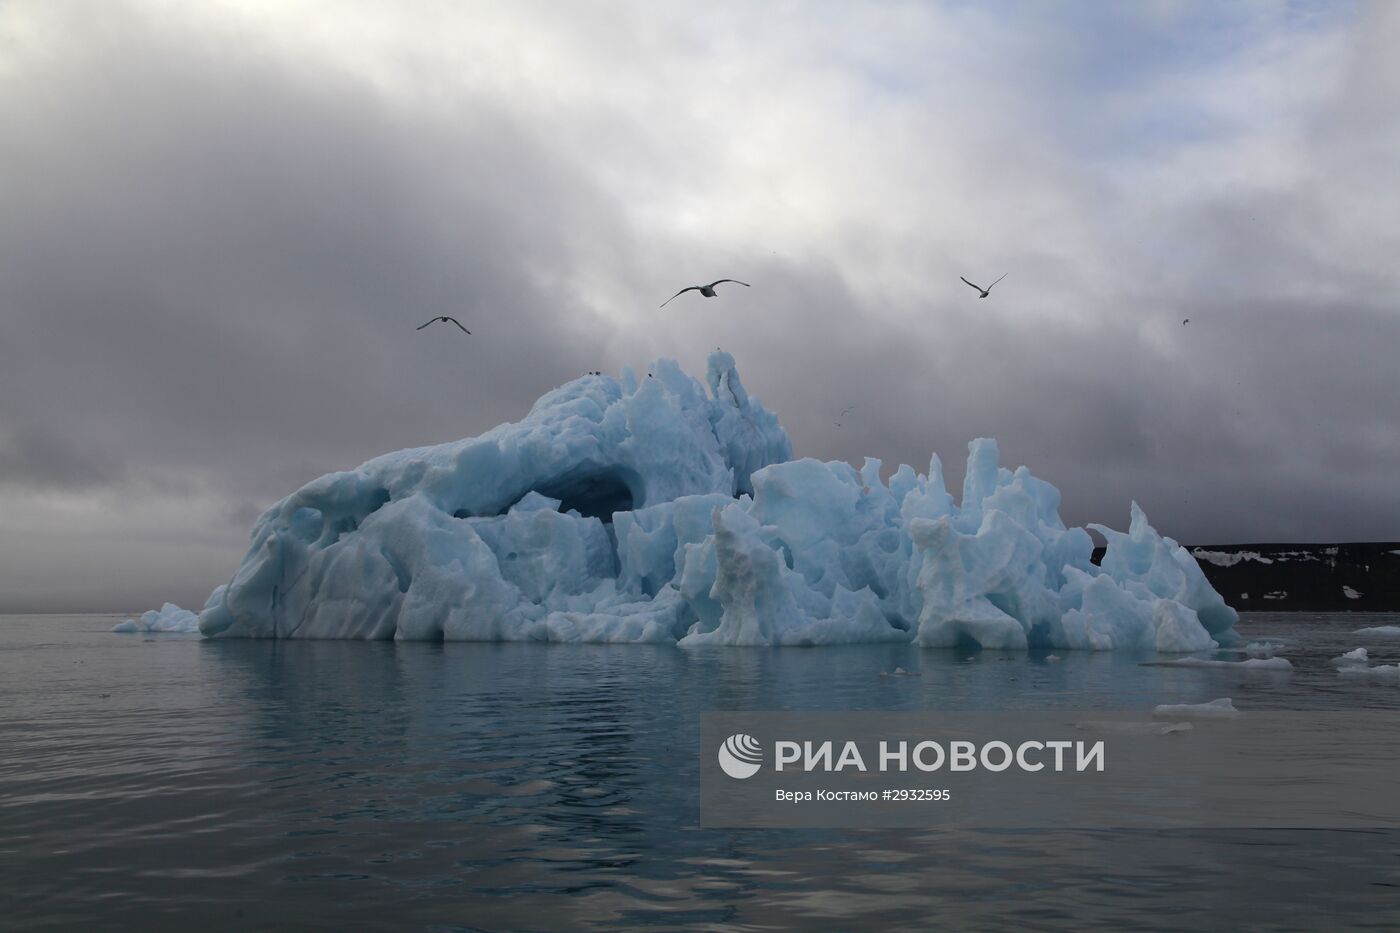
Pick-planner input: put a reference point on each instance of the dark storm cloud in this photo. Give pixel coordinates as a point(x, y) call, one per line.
point(224, 258)
point(220, 227)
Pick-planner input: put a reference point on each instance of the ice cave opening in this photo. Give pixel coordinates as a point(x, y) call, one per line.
point(593, 491)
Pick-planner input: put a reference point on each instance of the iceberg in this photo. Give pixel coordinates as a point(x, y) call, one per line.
point(670, 510)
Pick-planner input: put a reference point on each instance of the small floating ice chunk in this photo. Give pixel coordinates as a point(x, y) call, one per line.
point(1355, 658)
point(1355, 663)
point(1223, 708)
point(1380, 672)
point(1264, 648)
point(1115, 727)
point(1253, 664)
point(1387, 631)
point(168, 618)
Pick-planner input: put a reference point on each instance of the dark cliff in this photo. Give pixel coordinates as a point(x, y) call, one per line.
point(1302, 577)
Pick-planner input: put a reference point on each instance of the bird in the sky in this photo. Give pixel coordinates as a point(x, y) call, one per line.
point(707, 290)
point(988, 290)
point(1185, 322)
point(445, 318)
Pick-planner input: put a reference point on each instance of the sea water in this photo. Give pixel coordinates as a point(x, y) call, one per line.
point(172, 781)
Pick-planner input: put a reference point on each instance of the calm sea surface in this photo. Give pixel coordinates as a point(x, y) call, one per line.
point(154, 782)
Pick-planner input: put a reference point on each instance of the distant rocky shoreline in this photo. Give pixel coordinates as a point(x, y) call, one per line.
point(1302, 577)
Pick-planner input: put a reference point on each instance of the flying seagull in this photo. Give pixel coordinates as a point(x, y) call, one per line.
point(1185, 322)
point(988, 290)
point(445, 318)
point(707, 290)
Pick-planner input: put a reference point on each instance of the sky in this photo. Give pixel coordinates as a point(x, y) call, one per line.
point(221, 223)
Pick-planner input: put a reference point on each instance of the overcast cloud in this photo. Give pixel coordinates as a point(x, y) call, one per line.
point(221, 223)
